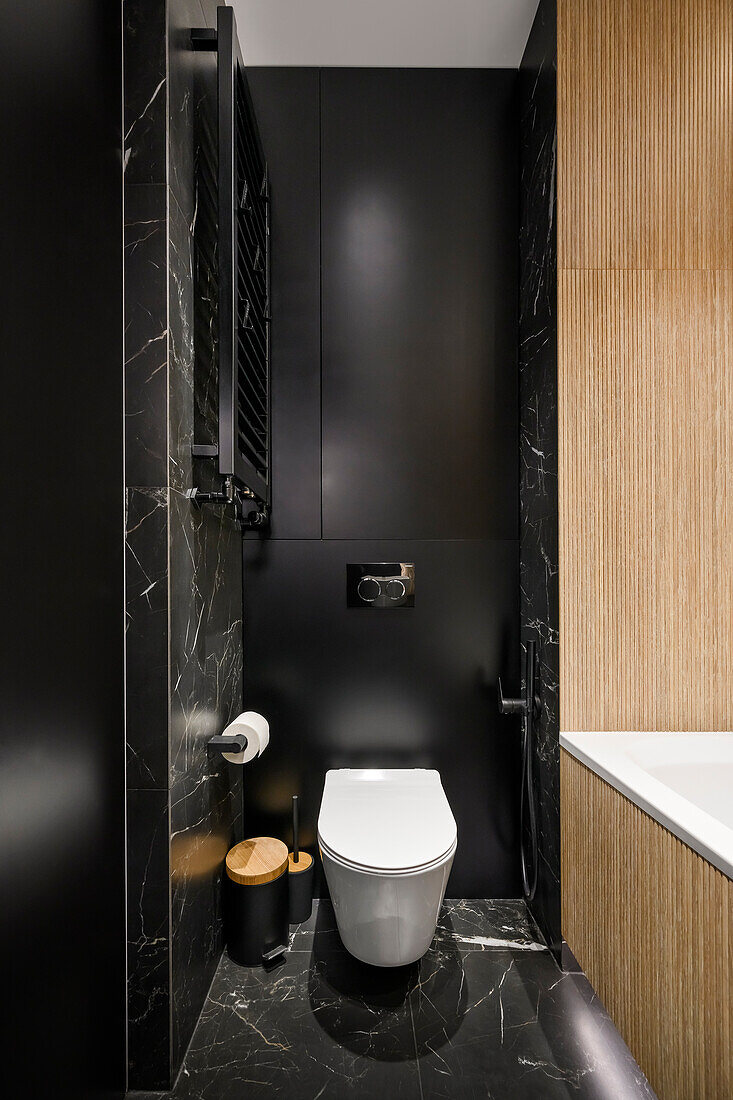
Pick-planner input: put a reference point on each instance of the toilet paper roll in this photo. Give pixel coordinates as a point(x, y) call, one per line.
point(257, 731)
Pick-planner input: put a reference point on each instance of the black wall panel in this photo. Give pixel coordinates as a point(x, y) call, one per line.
point(419, 231)
point(287, 106)
point(61, 721)
point(395, 252)
point(345, 687)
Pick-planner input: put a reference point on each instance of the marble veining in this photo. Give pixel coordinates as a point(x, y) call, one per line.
point(206, 692)
point(144, 137)
point(146, 335)
point(184, 565)
point(148, 937)
point(538, 545)
point(146, 635)
point(206, 566)
point(486, 1013)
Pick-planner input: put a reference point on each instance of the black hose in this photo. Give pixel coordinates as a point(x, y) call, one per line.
point(527, 800)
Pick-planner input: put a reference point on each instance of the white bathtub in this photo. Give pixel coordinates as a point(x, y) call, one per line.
point(684, 780)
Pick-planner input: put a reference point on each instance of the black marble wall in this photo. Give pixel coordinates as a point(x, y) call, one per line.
point(184, 590)
point(538, 544)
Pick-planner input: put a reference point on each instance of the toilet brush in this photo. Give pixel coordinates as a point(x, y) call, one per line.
point(300, 875)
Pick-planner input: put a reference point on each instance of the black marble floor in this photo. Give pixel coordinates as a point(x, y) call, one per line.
point(486, 1013)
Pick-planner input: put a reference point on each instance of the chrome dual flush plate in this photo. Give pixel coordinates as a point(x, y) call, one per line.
point(380, 585)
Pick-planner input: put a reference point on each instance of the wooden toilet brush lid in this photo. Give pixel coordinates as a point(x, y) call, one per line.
point(304, 862)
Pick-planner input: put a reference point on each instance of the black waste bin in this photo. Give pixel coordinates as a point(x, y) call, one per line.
point(256, 900)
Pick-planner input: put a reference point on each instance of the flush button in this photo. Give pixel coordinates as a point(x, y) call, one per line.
point(369, 589)
point(395, 589)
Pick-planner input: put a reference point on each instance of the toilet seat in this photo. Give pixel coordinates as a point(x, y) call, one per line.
point(386, 822)
point(384, 871)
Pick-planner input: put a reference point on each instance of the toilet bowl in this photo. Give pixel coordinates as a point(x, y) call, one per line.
point(387, 840)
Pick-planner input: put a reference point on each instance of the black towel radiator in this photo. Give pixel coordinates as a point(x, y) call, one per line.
point(243, 276)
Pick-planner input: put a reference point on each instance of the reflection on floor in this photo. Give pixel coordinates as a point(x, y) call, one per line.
point(486, 1013)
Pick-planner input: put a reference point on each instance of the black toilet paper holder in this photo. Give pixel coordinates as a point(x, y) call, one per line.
point(237, 743)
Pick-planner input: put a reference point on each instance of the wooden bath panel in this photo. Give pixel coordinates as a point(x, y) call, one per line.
point(649, 921)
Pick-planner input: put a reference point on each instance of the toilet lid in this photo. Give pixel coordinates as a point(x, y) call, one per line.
point(386, 820)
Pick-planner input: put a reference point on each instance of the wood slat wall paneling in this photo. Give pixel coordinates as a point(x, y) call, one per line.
point(650, 922)
point(645, 241)
point(646, 526)
point(645, 97)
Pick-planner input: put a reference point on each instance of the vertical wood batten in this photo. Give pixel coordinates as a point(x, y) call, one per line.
point(649, 921)
point(645, 245)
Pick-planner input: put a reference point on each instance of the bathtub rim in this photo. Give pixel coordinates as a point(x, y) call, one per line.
point(607, 755)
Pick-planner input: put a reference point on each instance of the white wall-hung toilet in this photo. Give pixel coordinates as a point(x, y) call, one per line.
point(387, 840)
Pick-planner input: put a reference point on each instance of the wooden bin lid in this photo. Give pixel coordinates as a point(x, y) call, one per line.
point(304, 862)
point(256, 861)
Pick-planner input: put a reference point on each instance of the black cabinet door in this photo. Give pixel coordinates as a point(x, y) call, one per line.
point(62, 736)
point(419, 303)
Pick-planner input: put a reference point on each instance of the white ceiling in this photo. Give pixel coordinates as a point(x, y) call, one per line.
point(409, 33)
